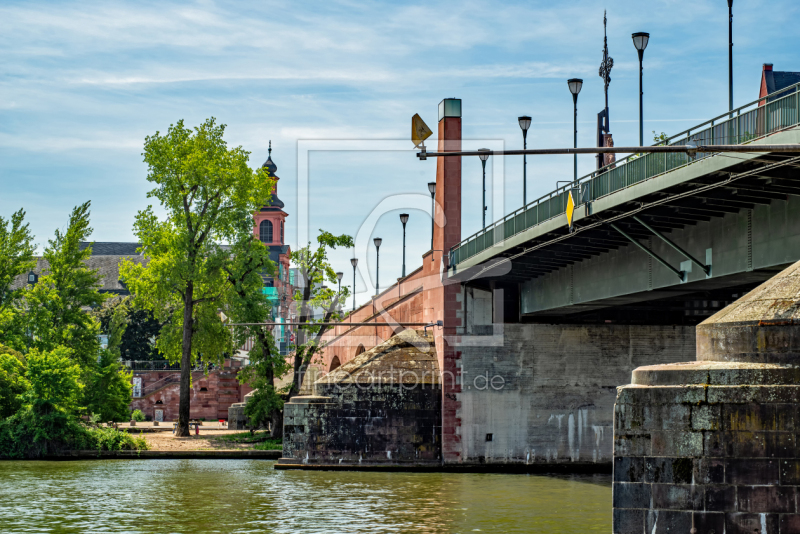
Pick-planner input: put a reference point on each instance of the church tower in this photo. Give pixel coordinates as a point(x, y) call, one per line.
point(269, 223)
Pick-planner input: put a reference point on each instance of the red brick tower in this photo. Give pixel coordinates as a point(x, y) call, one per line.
point(269, 223)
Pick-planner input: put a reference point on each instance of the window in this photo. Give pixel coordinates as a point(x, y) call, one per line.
point(265, 231)
point(489, 437)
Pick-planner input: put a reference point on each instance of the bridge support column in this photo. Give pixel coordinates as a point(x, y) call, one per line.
point(711, 445)
point(447, 301)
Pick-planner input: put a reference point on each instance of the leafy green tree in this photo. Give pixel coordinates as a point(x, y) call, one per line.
point(108, 384)
point(315, 270)
point(55, 310)
point(55, 381)
point(141, 330)
point(247, 304)
point(13, 383)
point(209, 194)
point(16, 257)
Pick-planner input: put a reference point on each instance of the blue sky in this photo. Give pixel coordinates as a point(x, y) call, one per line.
point(82, 84)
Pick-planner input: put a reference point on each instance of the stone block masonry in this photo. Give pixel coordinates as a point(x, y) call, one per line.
point(545, 395)
point(374, 424)
point(713, 445)
point(718, 458)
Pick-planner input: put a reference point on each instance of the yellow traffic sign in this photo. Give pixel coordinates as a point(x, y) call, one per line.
point(419, 130)
point(570, 209)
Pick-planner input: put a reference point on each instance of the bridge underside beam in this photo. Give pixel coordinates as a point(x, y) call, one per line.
point(744, 227)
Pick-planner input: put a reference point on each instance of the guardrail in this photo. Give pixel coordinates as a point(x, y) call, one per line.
point(771, 113)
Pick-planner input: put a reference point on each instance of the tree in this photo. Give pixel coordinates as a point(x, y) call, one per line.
point(314, 268)
point(209, 194)
point(55, 380)
point(141, 329)
point(108, 384)
point(16, 257)
point(55, 310)
point(13, 383)
point(246, 304)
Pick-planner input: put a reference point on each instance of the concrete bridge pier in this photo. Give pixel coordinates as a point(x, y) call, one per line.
point(711, 446)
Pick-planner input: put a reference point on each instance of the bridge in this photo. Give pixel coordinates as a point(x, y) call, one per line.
point(661, 238)
point(543, 319)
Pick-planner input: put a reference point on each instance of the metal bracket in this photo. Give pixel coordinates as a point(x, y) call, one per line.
point(659, 259)
point(706, 268)
point(437, 323)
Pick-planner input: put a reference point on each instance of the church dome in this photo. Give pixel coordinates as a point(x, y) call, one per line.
point(269, 165)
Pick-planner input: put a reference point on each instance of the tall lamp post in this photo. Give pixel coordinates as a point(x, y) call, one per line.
point(524, 124)
point(575, 85)
point(377, 242)
point(730, 55)
point(432, 189)
point(640, 40)
point(484, 157)
point(339, 276)
point(404, 220)
point(354, 262)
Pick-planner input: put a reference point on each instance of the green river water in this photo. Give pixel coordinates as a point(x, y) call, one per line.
point(155, 496)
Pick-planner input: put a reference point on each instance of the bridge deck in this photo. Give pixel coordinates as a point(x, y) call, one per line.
point(739, 213)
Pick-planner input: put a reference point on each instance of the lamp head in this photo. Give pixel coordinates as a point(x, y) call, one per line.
point(339, 276)
point(432, 188)
point(485, 156)
point(377, 242)
point(575, 85)
point(354, 262)
point(404, 218)
point(524, 122)
point(640, 40)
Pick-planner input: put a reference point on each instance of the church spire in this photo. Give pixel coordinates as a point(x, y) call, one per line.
point(269, 165)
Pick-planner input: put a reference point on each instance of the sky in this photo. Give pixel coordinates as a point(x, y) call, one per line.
point(334, 84)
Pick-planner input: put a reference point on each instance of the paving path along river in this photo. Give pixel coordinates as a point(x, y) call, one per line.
point(227, 496)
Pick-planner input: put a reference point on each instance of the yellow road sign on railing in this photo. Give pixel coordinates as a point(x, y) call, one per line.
point(570, 208)
point(419, 130)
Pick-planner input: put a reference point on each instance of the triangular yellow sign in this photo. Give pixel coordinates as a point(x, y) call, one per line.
point(570, 209)
point(419, 130)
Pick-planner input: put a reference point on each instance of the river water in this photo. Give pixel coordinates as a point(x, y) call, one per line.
point(199, 496)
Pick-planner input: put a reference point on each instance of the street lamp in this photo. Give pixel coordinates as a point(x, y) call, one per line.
point(484, 157)
point(354, 262)
point(730, 55)
point(432, 189)
point(377, 242)
point(524, 123)
point(404, 220)
point(339, 276)
point(575, 85)
point(640, 40)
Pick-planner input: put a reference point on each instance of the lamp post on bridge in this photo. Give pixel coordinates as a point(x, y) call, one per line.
point(524, 124)
point(640, 40)
point(354, 262)
point(484, 157)
point(575, 85)
point(730, 55)
point(377, 242)
point(404, 220)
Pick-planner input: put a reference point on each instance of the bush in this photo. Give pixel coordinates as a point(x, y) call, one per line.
point(13, 383)
point(108, 389)
point(28, 434)
point(138, 416)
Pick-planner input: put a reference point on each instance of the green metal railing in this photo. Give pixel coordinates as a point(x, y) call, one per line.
point(742, 125)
